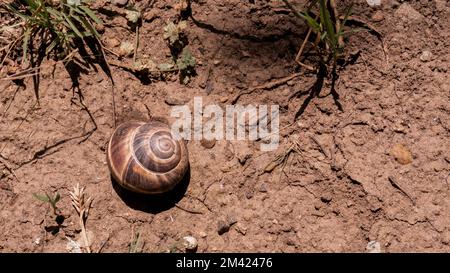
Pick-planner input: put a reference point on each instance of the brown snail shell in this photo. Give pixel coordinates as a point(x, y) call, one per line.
point(144, 157)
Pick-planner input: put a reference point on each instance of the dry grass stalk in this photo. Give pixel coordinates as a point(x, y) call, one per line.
point(82, 206)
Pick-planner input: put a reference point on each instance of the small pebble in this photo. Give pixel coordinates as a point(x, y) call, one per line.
point(426, 56)
point(373, 3)
point(119, 3)
point(263, 188)
point(373, 247)
point(174, 101)
point(249, 195)
point(100, 28)
point(241, 229)
point(126, 49)
point(190, 243)
point(326, 198)
point(377, 16)
point(222, 227)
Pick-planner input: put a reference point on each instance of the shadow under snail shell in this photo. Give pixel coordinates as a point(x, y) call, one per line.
point(144, 158)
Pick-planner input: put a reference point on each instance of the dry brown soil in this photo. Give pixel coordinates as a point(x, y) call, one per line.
point(341, 190)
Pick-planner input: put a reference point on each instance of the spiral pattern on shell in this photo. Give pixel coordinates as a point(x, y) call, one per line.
point(143, 157)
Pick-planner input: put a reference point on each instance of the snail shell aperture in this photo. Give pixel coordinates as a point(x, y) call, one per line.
point(145, 158)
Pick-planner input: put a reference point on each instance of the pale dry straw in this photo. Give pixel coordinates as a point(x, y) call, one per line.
point(82, 206)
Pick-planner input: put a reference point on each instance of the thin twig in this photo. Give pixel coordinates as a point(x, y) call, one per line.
point(104, 243)
point(302, 48)
point(10, 48)
point(269, 85)
point(136, 44)
point(111, 51)
point(394, 183)
point(188, 210)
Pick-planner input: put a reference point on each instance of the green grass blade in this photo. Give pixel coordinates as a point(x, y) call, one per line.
point(33, 5)
point(325, 19)
point(312, 23)
point(72, 26)
point(26, 40)
point(57, 198)
point(40, 197)
point(87, 26)
point(55, 13)
point(51, 46)
point(347, 14)
point(90, 13)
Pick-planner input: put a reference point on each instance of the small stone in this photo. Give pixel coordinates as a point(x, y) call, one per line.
point(190, 243)
point(150, 15)
point(73, 246)
point(326, 198)
point(241, 229)
point(318, 205)
point(223, 99)
point(228, 151)
point(126, 49)
point(290, 242)
point(100, 28)
point(222, 227)
point(262, 188)
point(202, 234)
point(217, 62)
point(249, 194)
point(373, 247)
point(378, 16)
point(373, 3)
point(5, 186)
point(208, 144)
point(426, 56)
point(209, 87)
point(401, 154)
point(174, 101)
point(112, 42)
point(119, 3)
point(407, 13)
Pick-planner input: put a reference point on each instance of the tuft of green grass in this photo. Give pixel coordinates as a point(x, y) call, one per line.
point(56, 25)
point(329, 29)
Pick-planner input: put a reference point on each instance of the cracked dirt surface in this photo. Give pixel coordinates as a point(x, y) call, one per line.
point(341, 189)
